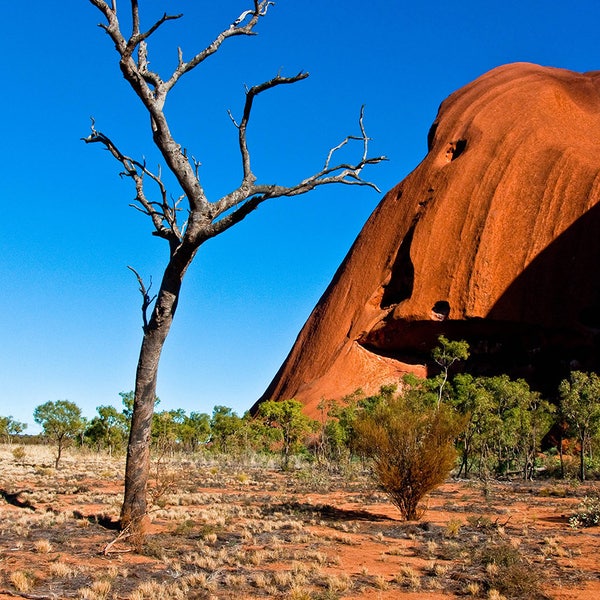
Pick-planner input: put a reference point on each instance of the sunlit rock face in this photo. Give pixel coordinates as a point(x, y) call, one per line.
point(493, 238)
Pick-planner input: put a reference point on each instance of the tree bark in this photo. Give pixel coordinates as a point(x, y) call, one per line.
point(137, 467)
point(582, 439)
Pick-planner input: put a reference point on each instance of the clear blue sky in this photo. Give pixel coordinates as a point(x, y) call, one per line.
point(70, 309)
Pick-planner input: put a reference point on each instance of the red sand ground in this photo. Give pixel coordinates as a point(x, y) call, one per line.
point(346, 539)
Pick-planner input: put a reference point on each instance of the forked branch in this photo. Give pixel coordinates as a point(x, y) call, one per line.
point(207, 219)
point(146, 299)
point(163, 213)
point(251, 94)
point(248, 196)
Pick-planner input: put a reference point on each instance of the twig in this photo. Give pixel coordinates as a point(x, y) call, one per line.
point(146, 299)
point(123, 535)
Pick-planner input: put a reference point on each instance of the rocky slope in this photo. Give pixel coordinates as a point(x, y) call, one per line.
point(494, 238)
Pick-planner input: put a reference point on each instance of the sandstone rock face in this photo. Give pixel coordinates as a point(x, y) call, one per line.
point(493, 238)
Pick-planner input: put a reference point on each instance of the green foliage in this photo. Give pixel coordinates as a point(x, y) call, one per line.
point(287, 418)
point(224, 425)
point(580, 406)
point(9, 428)
point(587, 513)
point(108, 430)
point(411, 447)
point(61, 422)
point(166, 427)
point(505, 422)
point(194, 431)
point(445, 355)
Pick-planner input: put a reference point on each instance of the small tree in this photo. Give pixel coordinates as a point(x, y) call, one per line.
point(472, 400)
point(445, 355)
point(287, 417)
point(166, 429)
point(61, 422)
point(224, 424)
point(580, 405)
point(108, 430)
point(9, 428)
point(411, 448)
point(505, 422)
point(194, 431)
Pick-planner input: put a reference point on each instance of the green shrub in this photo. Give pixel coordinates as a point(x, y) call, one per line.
point(588, 512)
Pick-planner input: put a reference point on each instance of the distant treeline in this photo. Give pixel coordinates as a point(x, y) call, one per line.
point(499, 424)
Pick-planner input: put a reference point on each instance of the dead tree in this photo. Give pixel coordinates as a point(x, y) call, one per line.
point(205, 218)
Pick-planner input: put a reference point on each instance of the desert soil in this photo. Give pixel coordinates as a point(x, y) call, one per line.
point(224, 528)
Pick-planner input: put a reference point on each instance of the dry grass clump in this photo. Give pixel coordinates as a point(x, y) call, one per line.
point(98, 590)
point(511, 573)
point(300, 593)
point(408, 577)
point(338, 583)
point(62, 570)
point(42, 546)
point(21, 581)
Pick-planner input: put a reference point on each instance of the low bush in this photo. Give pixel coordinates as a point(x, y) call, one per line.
point(587, 513)
point(411, 448)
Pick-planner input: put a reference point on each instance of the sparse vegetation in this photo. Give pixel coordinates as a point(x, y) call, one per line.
point(61, 422)
point(269, 537)
point(224, 520)
point(587, 513)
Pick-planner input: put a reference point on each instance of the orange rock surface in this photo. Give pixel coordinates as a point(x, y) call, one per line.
point(493, 238)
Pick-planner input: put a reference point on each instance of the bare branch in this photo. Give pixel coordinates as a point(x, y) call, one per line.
point(235, 123)
point(138, 37)
point(241, 26)
point(251, 93)
point(112, 28)
point(248, 196)
point(197, 165)
point(146, 299)
point(164, 213)
point(135, 18)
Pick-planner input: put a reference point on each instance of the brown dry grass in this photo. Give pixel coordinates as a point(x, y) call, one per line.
point(236, 529)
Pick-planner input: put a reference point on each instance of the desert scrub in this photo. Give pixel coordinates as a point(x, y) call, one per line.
point(587, 513)
point(452, 528)
point(338, 583)
point(411, 447)
point(21, 581)
point(42, 546)
point(408, 577)
point(62, 570)
point(98, 590)
point(509, 572)
point(19, 454)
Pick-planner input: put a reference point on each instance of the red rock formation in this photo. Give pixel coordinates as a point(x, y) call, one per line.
point(494, 238)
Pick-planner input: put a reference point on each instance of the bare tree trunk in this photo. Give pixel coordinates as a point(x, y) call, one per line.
point(582, 439)
point(205, 219)
point(137, 468)
point(58, 452)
